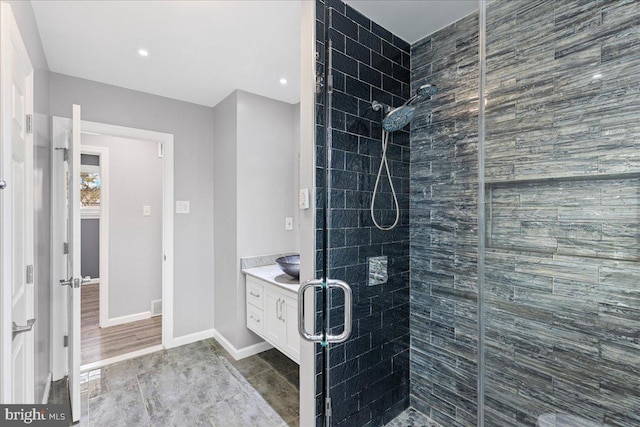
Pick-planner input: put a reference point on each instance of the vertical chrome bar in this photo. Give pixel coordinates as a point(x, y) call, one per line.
point(347, 311)
point(301, 329)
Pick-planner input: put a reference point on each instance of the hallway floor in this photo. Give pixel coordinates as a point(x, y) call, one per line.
point(196, 384)
point(104, 343)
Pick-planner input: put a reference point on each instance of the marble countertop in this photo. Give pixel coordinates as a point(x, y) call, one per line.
point(273, 274)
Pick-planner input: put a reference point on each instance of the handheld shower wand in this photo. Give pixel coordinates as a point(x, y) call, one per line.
point(394, 120)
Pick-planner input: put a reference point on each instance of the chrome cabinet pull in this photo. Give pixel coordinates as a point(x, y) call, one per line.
point(254, 319)
point(282, 310)
point(254, 294)
point(17, 330)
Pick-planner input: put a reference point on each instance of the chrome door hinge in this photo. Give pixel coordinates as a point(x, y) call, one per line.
point(65, 248)
point(29, 123)
point(65, 341)
point(65, 153)
point(327, 407)
point(29, 274)
point(319, 83)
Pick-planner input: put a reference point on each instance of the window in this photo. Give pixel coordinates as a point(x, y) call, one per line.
point(90, 191)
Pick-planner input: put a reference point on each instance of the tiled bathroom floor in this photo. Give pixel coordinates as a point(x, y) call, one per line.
point(198, 384)
point(412, 418)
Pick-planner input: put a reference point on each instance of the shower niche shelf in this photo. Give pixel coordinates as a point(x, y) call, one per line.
point(593, 216)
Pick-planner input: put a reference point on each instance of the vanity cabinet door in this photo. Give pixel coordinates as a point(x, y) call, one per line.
point(275, 328)
point(292, 342)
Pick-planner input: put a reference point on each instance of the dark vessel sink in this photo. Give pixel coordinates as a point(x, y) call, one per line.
point(290, 264)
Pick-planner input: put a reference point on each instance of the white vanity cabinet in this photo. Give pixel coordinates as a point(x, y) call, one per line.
point(272, 313)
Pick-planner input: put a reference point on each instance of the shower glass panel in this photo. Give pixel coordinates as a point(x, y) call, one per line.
point(364, 380)
point(561, 291)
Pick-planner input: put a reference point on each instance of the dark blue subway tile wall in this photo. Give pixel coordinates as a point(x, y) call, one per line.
point(443, 226)
point(369, 373)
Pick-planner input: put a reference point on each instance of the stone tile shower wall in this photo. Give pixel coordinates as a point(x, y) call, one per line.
point(563, 209)
point(443, 224)
point(562, 290)
point(369, 373)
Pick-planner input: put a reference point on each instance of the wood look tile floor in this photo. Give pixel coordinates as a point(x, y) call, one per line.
point(102, 343)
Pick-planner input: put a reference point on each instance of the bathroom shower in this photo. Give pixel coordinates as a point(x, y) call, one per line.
point(394, 120)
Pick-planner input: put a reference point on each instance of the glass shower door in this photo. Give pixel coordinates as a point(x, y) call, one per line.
point(365, 379)
point(561, 300)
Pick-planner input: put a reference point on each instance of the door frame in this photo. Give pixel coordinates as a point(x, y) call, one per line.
point(61, 128)
point(307, 217)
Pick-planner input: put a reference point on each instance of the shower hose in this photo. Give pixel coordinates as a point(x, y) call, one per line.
point(383, 162)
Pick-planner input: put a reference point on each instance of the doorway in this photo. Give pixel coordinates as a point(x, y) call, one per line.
point(121, 256)
point(111, 331)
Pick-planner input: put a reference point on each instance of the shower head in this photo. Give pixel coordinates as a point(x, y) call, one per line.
point(398, 118)
point(427, 90)
point(422, 92)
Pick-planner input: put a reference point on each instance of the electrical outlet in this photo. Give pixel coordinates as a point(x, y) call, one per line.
point(288, 223)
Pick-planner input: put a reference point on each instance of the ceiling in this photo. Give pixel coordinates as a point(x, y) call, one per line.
point(201, 51)
point(414, 19)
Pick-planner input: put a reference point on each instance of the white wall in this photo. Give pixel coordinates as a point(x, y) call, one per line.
point(259, 158)
point(192, 127)
point(135, 241)
point(226, 220)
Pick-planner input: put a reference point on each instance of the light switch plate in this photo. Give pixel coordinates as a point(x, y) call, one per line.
point(183, 207)
point(288, 223)
point(303, 198)
point(146, 210)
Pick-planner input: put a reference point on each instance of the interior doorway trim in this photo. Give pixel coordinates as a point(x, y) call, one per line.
point(61, 128)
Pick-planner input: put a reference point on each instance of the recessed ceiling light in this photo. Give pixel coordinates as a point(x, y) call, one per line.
point(143, 52)
point(283, 81)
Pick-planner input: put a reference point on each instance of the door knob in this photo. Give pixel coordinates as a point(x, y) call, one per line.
point(3, 184)
point(17, 330)
point(72, 283)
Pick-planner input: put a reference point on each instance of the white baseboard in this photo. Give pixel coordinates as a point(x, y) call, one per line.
point(120, 358)
point(126, 319)
point(241, 353)
point(47, 389)
point(191, 338)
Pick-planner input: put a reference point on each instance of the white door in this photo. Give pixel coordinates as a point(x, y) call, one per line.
point(73, 261)
point(16, 215)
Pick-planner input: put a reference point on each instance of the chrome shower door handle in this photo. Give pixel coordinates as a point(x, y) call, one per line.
point(301, 329)
point(346, 332)
point(347, 311)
